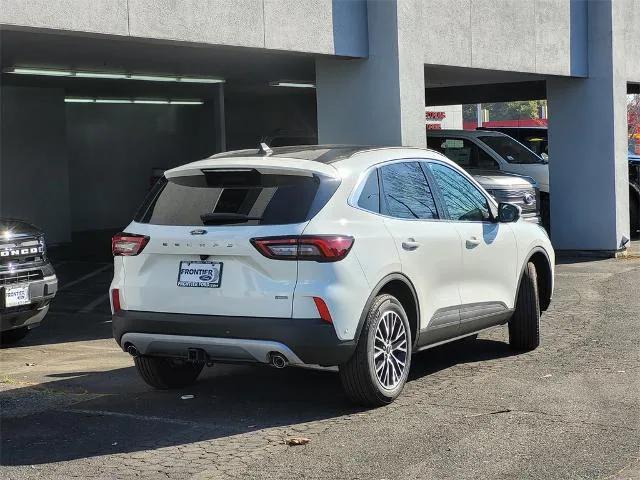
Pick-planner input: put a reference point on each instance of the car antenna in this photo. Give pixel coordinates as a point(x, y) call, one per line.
point(264, 149)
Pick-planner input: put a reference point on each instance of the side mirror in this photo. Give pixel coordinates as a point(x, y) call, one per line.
point(508, 213)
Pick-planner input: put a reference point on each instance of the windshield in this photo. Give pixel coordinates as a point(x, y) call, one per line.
point(510, 150)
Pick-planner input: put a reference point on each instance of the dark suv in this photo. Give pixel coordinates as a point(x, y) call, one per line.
point(27, 279)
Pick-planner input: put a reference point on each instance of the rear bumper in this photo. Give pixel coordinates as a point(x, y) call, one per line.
point(235, 339)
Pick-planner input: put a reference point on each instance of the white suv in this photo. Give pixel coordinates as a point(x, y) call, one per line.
point(353, 257)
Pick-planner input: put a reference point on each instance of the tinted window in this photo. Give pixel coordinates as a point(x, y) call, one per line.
point(462, 199)
point(235, 198)
point(370, 195)
point(510, 150)
point(406, 191)
point(463, 152)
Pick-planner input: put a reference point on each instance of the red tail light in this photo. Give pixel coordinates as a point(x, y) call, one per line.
point(128, 244)
point(323, 310)
point(319, 248)
point(115, 300)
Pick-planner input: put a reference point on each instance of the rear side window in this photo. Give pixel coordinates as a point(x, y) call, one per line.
point(236, 197)
point(406, 191)
point(370, 195)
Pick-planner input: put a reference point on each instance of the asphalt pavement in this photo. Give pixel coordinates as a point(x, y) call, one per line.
point(72, 405)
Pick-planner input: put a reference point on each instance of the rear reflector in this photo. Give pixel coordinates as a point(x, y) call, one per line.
point(128, 244)
point(323, 310)
point(115, 300)
point(319, 248)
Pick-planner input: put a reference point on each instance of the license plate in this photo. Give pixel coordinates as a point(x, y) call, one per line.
point(15, 296)
point(200, 274)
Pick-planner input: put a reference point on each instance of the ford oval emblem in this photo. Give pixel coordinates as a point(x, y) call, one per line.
point(205, 278)
point(529, 199)
point(198, 232)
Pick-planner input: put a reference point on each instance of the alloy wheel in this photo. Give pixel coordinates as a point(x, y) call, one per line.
point(390, 350)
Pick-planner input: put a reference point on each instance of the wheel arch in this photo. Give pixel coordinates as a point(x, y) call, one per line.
point(540, 259)
point(398, 285)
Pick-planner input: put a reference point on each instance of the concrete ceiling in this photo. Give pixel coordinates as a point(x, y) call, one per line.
point(245, 70)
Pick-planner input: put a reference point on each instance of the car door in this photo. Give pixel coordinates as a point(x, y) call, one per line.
point(429, 249)
point(489, 251)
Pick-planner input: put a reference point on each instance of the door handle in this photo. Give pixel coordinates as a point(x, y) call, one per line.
point(472, 242)
point(410, 244)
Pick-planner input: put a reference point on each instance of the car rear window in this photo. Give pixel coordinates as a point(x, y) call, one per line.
point(236, 197)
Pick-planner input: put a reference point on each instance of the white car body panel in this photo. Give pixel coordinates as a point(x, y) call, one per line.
point(439, 253)
point(489, 263)
point(251, 284)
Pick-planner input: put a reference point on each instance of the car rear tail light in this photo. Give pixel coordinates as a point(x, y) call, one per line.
point(115, 300)
point(319, 248)
point(323, 310)
point(128, 244)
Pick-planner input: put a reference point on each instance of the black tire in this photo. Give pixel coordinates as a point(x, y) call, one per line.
point(13, 336)
point(524, 326)
point(633, 215)
point(358, 375)
point(164, 373)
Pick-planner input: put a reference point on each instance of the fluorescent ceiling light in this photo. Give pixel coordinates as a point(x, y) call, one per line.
point(186, 102)
point(78, 100)
point(113, 100)
point(293, 84)
point(153, 78)
point(200, 80)
point(38, 71)
point(152, 102)
point(117, 76)
point(139, 101)
point(111, 75)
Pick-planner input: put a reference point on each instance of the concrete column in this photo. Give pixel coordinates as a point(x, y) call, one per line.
point(588, 141)
point(378, 100)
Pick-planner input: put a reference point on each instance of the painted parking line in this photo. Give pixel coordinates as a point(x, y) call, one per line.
point(89, 307)
point(85, 277)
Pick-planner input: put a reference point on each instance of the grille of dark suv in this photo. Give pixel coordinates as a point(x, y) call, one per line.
point(21, 251)
point(517, 197)
point(24, 276)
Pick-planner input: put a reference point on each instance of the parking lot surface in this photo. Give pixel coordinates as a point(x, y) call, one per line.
point(73, 407)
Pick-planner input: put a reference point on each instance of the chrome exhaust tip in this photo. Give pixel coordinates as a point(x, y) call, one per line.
point(133, 351)
point(278, 360)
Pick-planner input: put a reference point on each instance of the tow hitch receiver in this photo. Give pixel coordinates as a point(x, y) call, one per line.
point(196, 355)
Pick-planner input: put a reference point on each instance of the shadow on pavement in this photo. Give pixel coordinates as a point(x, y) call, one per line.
point(228, 400)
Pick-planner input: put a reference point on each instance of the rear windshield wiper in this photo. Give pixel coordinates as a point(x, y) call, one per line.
point(221, 218)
